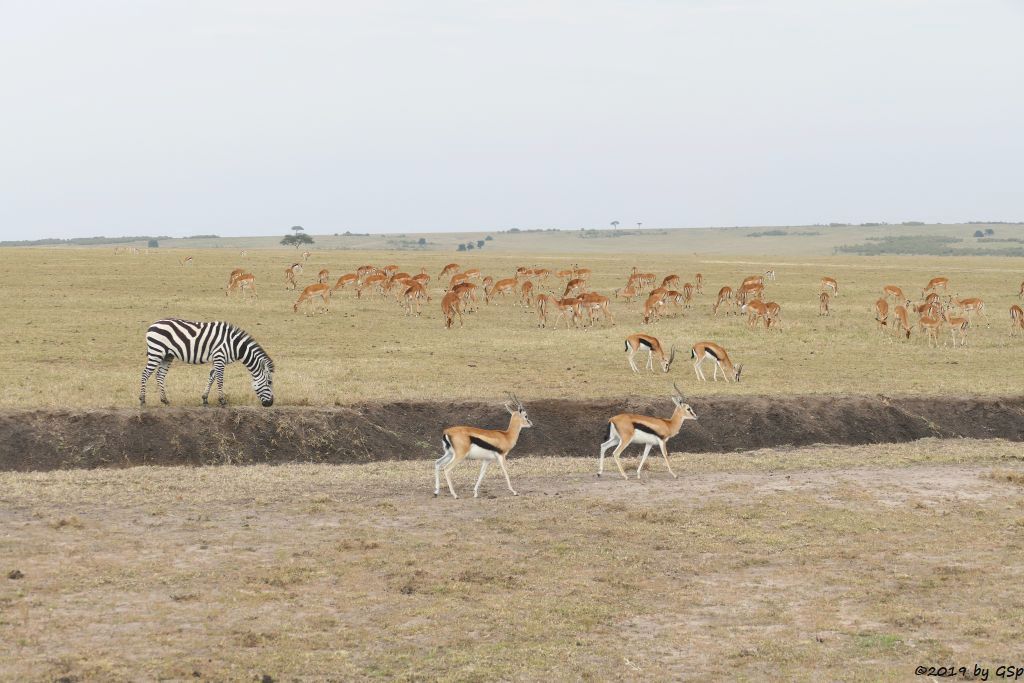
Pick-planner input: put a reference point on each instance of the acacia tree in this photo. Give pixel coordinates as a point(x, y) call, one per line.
point(615, 225)
point(296, 240)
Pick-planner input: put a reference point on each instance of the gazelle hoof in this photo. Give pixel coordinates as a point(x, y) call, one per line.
point(514, 493)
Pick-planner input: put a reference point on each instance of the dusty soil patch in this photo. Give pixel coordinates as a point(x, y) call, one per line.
point(48, 440)
point(823, 563)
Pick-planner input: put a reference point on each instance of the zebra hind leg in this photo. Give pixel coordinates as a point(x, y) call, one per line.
point(161, 375)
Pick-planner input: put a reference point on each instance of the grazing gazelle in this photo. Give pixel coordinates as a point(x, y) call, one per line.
point(309, 294)
point(346, 279)
point(701, 351)
point(639, 342)
point(828, 283)
point(486, 445)
point(698, 281)
point(823, 303)
point(289, 275)
point(243, 282)
point(881, 314)
point(895, 292)
point(934, 284)
point(628, 428)
point(1016, 319)
point(451, 305)
point(448, 269)
point(900, 323)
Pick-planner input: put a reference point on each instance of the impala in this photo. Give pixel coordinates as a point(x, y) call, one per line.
point(472, 273)
point(467, 292)
point(698, 281)
point(824, 299)
point(451, 305)
point(881, 314)
point(390, 270)
point(670, 281)
point(575, 286)
point(450, 268)
point(749, 292)
point(243, 282)
point(901, 324)
point(502, 287)
point(628, 428)
point(542, 300)
point(752, 280)
point(724, 297)
point(456, 279)
point(755, 310)
point(323, 276)
point(972, 305)
point(346, 279)
point(640, 342)
point(375, 281)
point(653, 306)
point(895, 292)
point(234, 274)
point(957, 325)
point(289, 275)
point(774, 312)
point(702, 351)
point(930, 326)
point(1016, 319)
point(595, 303)
point(422, 278)
point(526, 292)
point(581, 273)
point(415, 293)
point(628, 293)
point(568, 308)
point(935, 283)
point(312, 292)
point(306, 255)
point(828, 283)
point(486, 445)
point(687, 294)
point(365, 271)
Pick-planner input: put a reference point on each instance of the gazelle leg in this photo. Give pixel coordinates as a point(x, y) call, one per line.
point(650, 360)
point(438, 464)
point(615, 454)
point(613, 441)
point(632, 363)
point(643, 459)
point(483, 471)
point(718, 365)
point(448, 476)
point(501, 461)
point(664, 453)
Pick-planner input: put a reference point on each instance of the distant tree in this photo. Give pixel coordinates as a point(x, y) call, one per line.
point(470, 246)
point(615, 225)
point(422, 242)
point(462, 247)
point(513, 230)
point(989, 231)
point(979, 233)
point(480, 244)
point(296, 240)
point(297, 228)
point(153, 244)
point(488, 238)
point(638, 224)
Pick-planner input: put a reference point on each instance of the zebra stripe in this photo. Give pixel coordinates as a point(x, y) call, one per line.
point(196, 343)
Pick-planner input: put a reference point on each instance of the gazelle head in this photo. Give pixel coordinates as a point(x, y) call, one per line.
point(666, 363)
point(681, 404)
point(515, 407)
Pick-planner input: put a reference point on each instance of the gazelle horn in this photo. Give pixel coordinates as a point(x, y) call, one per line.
point(678, 392)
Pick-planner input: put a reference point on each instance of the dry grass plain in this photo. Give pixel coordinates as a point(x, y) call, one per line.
point(855, 563)
point(74, 322)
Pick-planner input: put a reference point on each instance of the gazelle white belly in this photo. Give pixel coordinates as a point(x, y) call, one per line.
point(477, 453)
point(644, 438)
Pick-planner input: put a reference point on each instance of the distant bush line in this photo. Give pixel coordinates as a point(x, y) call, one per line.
point(80, 241)
point(783, 233)
point(921, 245)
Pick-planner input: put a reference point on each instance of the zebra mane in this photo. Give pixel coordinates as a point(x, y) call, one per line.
point(259, 353)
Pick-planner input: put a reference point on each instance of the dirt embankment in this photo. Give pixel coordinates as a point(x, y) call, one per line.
point(46, 440)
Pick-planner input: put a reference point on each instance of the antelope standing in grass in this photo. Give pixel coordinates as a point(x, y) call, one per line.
point(629, 428)
point(448, 269)
point(828, 283)
point(568, 308)
point(451, 305)
point(687, 294)
point(935, 283)
point(485, 445)
point(289, 275)
point(900, 321)
point(639, 342)
point(594, 304)
point(895, 292)
point(467, 291)
point(881, 314)
point(749, 292)
point(526, 292)
point(702, 351)
point(365, 271)
point(324, 276)
point(724, 297)
point(652, 307)
point(309, 294)
point(774, 312)
point(306, 255)
point(234, 273)
point(501, 288)
point(628, 293)
point(542, 301)
point(244, 282)
point(930, 326)
point(824, 299)
point(970, 306)
point(346, 279)
point(417, 294)
point(372, 282)
point(755, 310)
point(698, 282)
point(670, 281)
point(1016, 319)
point(575, 286)
point(957, 326)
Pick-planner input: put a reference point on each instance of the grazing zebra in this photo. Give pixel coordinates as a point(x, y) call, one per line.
point(219, 343)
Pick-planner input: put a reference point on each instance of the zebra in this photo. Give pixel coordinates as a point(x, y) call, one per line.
point(204, 342)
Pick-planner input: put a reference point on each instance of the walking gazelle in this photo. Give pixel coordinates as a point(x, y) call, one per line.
point(486, 445)
point(628, 428)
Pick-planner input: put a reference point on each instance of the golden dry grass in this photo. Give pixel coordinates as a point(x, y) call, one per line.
point(855, 563)
point(74, 322)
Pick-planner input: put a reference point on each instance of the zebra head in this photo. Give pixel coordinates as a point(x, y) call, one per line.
point(263, 381)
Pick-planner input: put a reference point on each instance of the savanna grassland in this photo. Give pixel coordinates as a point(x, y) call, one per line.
point(845, 563)
point(75, 320)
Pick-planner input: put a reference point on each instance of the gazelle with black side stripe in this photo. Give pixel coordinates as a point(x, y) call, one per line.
point(628, 428)
point(641, 342)
point(197, 343)
point(486, 445)
point(703, 351)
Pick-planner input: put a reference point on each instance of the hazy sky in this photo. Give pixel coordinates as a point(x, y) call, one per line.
point(249, 116)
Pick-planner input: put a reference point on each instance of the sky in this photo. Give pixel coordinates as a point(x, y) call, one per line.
point(245, 117)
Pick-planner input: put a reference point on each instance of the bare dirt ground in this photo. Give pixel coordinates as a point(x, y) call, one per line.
point(823, 563)
point(408, 430)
